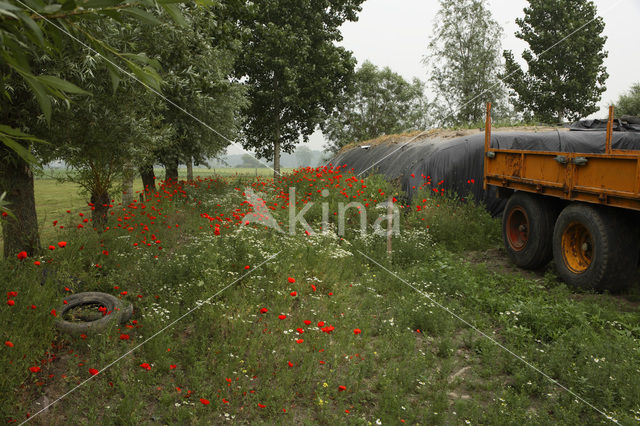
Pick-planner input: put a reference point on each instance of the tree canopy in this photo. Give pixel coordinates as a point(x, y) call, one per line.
point(566, 74)
point(629, 103)
point(464, 62)
point(381, 102)
point(294, 72)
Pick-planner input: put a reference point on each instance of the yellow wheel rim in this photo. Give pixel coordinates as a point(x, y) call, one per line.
point(577, 247)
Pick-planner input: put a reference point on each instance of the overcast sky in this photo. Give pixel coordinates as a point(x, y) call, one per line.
point(395, 33)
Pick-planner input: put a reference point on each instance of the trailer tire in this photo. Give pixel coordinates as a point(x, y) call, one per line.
point(527, 229)
point(594, 248)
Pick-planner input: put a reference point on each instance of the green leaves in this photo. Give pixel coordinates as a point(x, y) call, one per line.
point(142, 16)
point(563, 80)
point(11, 138)
point(54, 83)
point(173, 11)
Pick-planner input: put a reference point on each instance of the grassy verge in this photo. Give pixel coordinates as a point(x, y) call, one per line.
point(352, 344)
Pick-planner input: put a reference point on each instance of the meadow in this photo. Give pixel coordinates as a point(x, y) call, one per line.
point(237, 322)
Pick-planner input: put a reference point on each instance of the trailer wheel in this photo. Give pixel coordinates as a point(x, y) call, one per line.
point(527, 228)
point(594, 248)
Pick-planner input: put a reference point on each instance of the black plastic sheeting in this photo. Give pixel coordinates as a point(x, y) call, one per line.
point(456, 165)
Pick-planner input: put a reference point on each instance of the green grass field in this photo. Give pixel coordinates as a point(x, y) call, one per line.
point(54, 198)
point(244, 324)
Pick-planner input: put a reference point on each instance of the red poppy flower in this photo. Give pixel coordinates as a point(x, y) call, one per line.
point(52, 247)
point(146, 366)
point(307, 322)
point(33, 306)
point(124, 293)
point(172, 367)
point(261, 405)
point(299, 330)
point(313, 287)
point(320, 323)
point(105, 252)
point(342, 388)
point(299, 341)
point(124, 337)
point(34, 369)
point(330, 294)
point(11, 302)
point(328, 329)
point(37, 263)
point(264, 310)
point(93, 371)
point(204, 401)
point(294, 293)
point(62, 244)
point(290, 363)
point(247, 267)
point(8, 343)
point(357, 331)
point(53, 312)
point(22, 255)
point(346, 411)
point(291, 280)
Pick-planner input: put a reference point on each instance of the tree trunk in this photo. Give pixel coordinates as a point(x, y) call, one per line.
point(189, 169)
point(276, 159)
point(148, 177)
point(171, 171)
point(19, 233)
point(127, 184)
point(101, 208)
point(276, 151)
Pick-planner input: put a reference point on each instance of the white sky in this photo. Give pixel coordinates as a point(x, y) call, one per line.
point(395, 33)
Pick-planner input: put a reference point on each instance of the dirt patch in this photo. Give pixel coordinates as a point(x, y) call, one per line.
point(498, 261)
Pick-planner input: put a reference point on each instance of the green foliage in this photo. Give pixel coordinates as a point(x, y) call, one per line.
point(381, 102)
point(198, 60)
point(587, 342)
point(464, 62)
point(294, 72)
point(629, 103)
point(25, 35)
point(566, 74)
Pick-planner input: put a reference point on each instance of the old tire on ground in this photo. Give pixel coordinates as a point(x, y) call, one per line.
point(120, 312)
point(595, 248)
point(527, 229)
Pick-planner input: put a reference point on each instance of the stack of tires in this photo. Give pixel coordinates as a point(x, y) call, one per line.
point(593, 247)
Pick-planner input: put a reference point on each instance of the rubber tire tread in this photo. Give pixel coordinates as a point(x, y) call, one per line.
point(120, 312)
point(616, 247)
point(541, 213)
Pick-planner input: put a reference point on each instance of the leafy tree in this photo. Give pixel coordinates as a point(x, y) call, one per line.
point(566, 75)
point(294, 72)
point(28, 34)
point(464, 62)
point(381, 102)
point(629, 103)
point(198, 61)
